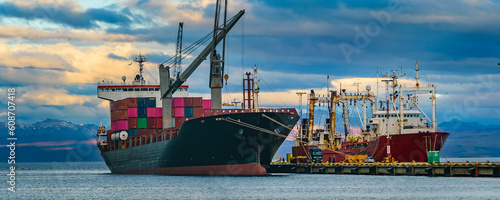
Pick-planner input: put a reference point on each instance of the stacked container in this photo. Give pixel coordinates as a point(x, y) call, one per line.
point(137, 116)
point(185, 108)
point(140, 116)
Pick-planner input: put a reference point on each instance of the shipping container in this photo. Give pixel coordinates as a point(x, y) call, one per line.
point(151, 122)
point(159, 112)
point(193, 102)
point(179, 121)
point(108, 137)
point(151, 112)
point(142, 102)
point(188, 112)
point(152, 102)
point(131, 102)
point(119, 125)
point(207, 104)
point(151, 131)
point(159, 122)
point(118, 105)
point(142, 123)
point(132, 112)
point(132, 123)
point(142, 131)
point(119, 115)
point(142, 112)
point(178, 112)
point(198, 112)
point(132, 132)
point(178, 102)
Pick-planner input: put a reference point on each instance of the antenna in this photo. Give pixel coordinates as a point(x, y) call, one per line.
point(416, 71)
point(141, 59)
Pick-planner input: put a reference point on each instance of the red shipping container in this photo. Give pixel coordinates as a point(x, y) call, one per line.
point(178, 102)
point(198, 112)
point(188, 102)
point(119, 115)
point(151, 131)
point(131, 102)
point(151, 112)
point(159, 122)
point(119, 105)
point(196, 102)
point(207, 104)
point(151, 123)
point(159, 112)
point(132, 112)
point(178, 112)
point(119, 125)
point(179, 121)
point(142, 131)
point(132, 123)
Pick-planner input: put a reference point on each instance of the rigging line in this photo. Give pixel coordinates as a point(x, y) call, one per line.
point(252, 127)
point(271, 90)
point(276, 121)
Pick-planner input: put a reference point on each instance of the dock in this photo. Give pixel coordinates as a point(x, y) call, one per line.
point(447, 169)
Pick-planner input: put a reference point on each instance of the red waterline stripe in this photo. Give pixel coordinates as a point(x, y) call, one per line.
point(240, 169)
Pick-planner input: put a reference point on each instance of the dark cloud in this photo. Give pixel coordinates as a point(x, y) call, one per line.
point(64, 14)
point(116, 57)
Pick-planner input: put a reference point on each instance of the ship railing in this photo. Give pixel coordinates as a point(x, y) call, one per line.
point(138, 140)
point(211, 112)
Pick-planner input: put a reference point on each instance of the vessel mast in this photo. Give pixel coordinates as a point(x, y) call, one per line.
point(255, 89)
point(300, 114)
point(140, 59)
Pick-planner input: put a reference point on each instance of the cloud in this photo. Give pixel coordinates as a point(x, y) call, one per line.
point(51, 96)
point(34, 34)
point(66, 13)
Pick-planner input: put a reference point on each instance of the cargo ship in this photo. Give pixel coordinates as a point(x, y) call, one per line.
point(398, 130)
point(159, 129)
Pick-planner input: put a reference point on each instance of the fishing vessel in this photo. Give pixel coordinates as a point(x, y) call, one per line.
point(159, 129)
point(398, 129)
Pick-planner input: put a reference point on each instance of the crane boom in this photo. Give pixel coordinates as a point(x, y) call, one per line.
point(178, 51)
point(202, 56)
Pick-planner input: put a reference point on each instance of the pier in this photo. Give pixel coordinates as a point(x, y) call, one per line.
point(447, 169)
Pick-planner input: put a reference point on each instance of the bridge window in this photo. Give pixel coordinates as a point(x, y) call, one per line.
point(157, 89)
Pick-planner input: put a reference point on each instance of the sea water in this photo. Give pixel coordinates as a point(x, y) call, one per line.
point(93, 180)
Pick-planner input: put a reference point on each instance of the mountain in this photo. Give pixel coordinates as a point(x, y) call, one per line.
point(471, 139)
point(53, 140)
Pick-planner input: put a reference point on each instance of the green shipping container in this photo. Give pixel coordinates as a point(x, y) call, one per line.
point(142, 123)
point(433, 156)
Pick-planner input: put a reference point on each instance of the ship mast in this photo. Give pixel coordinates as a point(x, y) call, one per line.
point(300, 93)
point(139, 79)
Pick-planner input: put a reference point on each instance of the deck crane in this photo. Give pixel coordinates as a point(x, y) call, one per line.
point(178, 51)
point(168, 86)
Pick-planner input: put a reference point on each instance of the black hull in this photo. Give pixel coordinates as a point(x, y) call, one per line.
point(208, 146)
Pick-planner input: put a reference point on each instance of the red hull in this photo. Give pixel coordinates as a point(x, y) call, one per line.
point(404, 148)
point(410, 147)
point(241, 169)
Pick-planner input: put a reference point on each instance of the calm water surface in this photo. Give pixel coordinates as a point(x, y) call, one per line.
point(94, 181)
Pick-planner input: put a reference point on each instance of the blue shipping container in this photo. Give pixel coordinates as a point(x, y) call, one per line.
point(152, 102)
point(132, 132)
point(142, 102)
point(188, 112)
point(142, 112)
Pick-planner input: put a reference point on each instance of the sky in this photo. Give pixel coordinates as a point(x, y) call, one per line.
point(55, 51)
